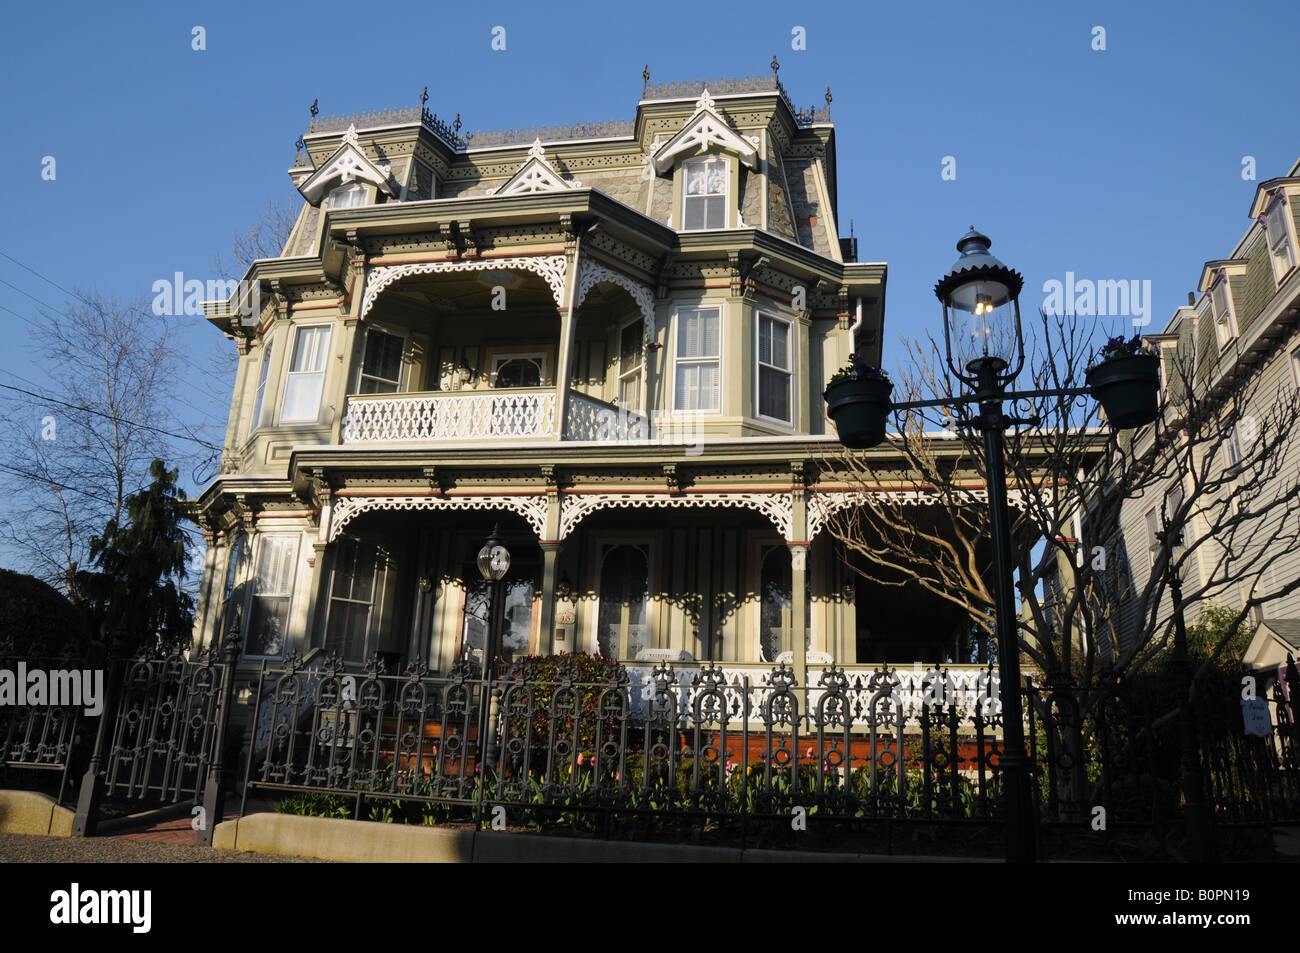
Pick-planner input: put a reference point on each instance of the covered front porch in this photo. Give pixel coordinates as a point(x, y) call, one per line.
point(645, 579)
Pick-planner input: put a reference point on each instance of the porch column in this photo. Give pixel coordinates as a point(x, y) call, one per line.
point(799, 570)
point(573, 260)
point(336, 395)
point(550, 545)
point(798, 604)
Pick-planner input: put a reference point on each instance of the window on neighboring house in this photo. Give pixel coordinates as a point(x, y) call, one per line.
point(622, 629)
point(355, 587)
point(261, 384)
point(381, 364)
point(1280, 248)
point(306, 378)
point(1153, 533)
point(774, 362)
point(704, 193)
point(1295, 366)
point(1174, 503)
point(630, 357)
point(698, 366)
point(268, 626)
point(1234, 446)
point(348, 196)
point(1225, 328)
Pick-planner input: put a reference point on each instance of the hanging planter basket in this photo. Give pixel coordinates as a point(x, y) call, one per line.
point(1128, 389)
point(859, 408)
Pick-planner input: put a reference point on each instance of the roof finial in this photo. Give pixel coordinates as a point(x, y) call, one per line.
point(424, 98)
point(645, 77)
point(455, 127)
point(828, 100)
point(776, 68)
point(315, 108)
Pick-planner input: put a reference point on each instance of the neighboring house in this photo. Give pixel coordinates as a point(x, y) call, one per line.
point(1242, 327)
point(611, 340)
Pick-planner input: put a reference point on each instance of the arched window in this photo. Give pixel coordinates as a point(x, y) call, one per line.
point(776, 601)
point(622, 628)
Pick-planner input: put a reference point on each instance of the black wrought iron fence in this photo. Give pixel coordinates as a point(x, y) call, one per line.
point(44, 723)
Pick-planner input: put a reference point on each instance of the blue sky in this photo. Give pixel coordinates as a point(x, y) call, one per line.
point(1116, 164)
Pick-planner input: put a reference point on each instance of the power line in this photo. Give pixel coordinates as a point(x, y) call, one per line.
point(92, 410)
point(44, 278)
point(36, 326)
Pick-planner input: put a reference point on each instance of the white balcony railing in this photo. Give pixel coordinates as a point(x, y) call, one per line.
point(526, 413)
point(460, 415)
point(591, 419)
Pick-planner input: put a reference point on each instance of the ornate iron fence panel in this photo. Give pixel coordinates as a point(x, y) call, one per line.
point(163, 734)
point(41, 721)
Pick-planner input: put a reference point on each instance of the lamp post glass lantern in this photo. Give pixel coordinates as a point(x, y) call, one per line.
point(493, 564)
point(981, 314)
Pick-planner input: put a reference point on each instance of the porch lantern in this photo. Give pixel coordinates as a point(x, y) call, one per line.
point(981, 316)
point(493, 558)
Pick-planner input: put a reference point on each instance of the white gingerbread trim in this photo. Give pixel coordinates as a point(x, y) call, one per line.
point(347, 163)
point(823, 505)
point(706, 128)
point(776, 506)
point(536, 175)
point(347, 508)
point(550, 267)
point(591, 274)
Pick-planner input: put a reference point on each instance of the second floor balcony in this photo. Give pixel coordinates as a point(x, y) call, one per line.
point(524, 414)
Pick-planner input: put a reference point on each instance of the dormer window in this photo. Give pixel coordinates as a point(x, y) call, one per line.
point(1281, 249)
point(1225, 327)
point(704, 193)
point(348, 196)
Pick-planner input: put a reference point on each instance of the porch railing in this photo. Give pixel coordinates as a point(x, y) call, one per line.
point(470, 415)
point(591, 419)
point(458, 415)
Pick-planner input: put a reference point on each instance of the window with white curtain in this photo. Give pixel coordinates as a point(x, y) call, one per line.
point(261, 384)
point(774, 368)
point(348, 196)
point(698, 367)
point(305, 381)
point(704, 193)
point(268, 625)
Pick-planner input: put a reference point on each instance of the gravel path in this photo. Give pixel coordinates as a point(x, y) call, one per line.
point(36, 848)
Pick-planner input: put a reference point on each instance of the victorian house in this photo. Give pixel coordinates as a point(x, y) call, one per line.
point(1236, 343)
point(609, 341)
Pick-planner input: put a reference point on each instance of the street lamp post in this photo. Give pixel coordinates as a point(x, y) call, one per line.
point(1200, 839)
point(985, 350)
point(493, 564)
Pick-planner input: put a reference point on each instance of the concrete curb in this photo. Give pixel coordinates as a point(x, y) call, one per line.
point(371, 842)
point(27, 812)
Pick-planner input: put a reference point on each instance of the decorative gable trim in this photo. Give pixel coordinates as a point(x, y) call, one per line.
point(702, 131)
point(536, 175)
point(347, 164)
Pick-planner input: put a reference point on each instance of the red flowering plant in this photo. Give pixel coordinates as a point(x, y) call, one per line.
point(553, 699)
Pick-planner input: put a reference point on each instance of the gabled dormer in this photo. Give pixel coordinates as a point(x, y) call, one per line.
point(536, 175)
point(1217, 282)
point(704, 159)
point(347, 172)
point(1275, 208)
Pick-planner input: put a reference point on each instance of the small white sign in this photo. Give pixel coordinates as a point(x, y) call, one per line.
point(1254, 712)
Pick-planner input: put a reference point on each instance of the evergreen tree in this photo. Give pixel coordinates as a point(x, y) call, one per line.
point(136, 595)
